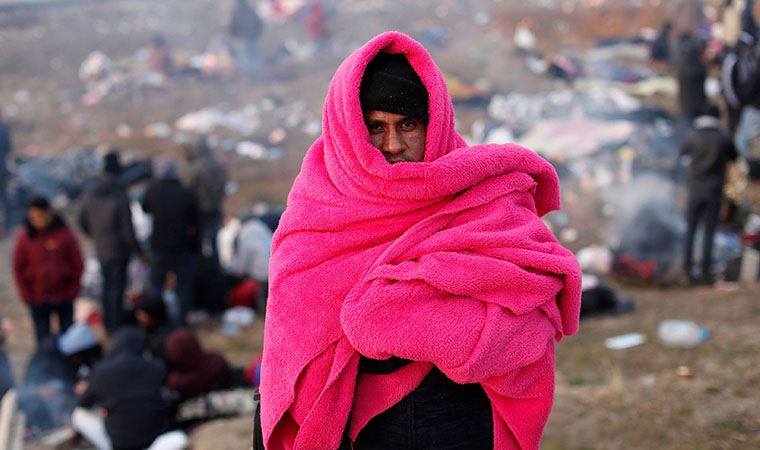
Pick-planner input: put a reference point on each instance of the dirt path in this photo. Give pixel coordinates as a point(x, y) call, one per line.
point(20, 343)
point(635, 398)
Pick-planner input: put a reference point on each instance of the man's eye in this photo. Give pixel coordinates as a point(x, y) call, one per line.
point(408, 124)
point(374, 128)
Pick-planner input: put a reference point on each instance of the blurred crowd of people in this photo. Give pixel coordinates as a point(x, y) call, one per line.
point(154, 284)
point(717, 134)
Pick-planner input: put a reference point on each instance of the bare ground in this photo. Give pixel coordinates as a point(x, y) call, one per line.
point(626, 399)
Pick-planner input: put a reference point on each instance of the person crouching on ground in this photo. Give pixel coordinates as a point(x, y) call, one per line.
point(152, 318)
point(127, 389)
point(47, 265)
point(193, 371)
point(445, 290)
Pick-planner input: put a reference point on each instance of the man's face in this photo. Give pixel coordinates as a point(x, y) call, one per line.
point(399, 138)
point(40, 218)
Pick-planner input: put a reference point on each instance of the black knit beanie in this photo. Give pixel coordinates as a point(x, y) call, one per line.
point(390, 84)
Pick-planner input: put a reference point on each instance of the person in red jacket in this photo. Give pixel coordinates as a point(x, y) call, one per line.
point(193, 371)
point(47, 266)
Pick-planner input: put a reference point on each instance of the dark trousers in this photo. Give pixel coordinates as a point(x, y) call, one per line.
point(184, 267)
point(434, 416)
point(211, 223)
point(41, 317)
point(114, 284)
point(5, 207)
point(703, 208)
point(261, 302)
point(438, 415)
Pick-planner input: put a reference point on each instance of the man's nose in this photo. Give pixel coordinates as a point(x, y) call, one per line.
point(393, 143)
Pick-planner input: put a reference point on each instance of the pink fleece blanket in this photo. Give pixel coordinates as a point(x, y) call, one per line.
point(444, 262)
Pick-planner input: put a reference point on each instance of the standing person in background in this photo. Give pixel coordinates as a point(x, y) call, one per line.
point(245, 31)
point(47, 265)
point(315, 22)
point(732, 21)
point(692, 73)
point(710, 149)
point(159, 56)
point(106, 217)
point(5, 151)
point(660, 51)
point(174, 244)
point(206, 177)
point(749, 24)
point(740, 79)
point(251, 258)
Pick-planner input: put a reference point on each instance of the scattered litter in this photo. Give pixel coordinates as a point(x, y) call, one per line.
point(524, 38)
point(568, 235)
point(595, 259)
point(312, 128)
point(301, 51)
point(231, 188)
point(625, 341)
point(68, 174)
point(713, 87)
point(224, 403)
point(481, 18)
point(59, 437)
point(197, 317)
point(649, 380)
point(96, 66)
point(726, 286)
point(750, 272)
point(158, 130)
point(463, 92)
point(600, 300)
point(665, 86)
point(204, 121)
point(681, 333)
point(124, 131)
point(571, 139)
point(499, 135)
point(277, 136)
point(91, 278)
point(251, 150)
point(239, 316)
point(22, 97)
point(685, 372)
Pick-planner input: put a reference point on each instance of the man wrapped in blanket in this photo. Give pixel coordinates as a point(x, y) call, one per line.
point(415, 294)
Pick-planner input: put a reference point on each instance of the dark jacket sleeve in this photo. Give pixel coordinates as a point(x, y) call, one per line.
point(731, 153)
point(127, 230)
point(97, 389)
point(84, 220)
point(5, 143)
point(77, 264)
point(195, 221)
point(147, 201)
point(91, 395)
point(20, 264)
point(686, 146)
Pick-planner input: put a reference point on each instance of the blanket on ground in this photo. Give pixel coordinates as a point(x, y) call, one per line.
point(444, 262)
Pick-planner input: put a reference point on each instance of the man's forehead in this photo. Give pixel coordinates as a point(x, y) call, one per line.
point(383, 116)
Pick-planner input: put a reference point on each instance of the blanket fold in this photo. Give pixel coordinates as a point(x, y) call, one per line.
point(444, 262)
